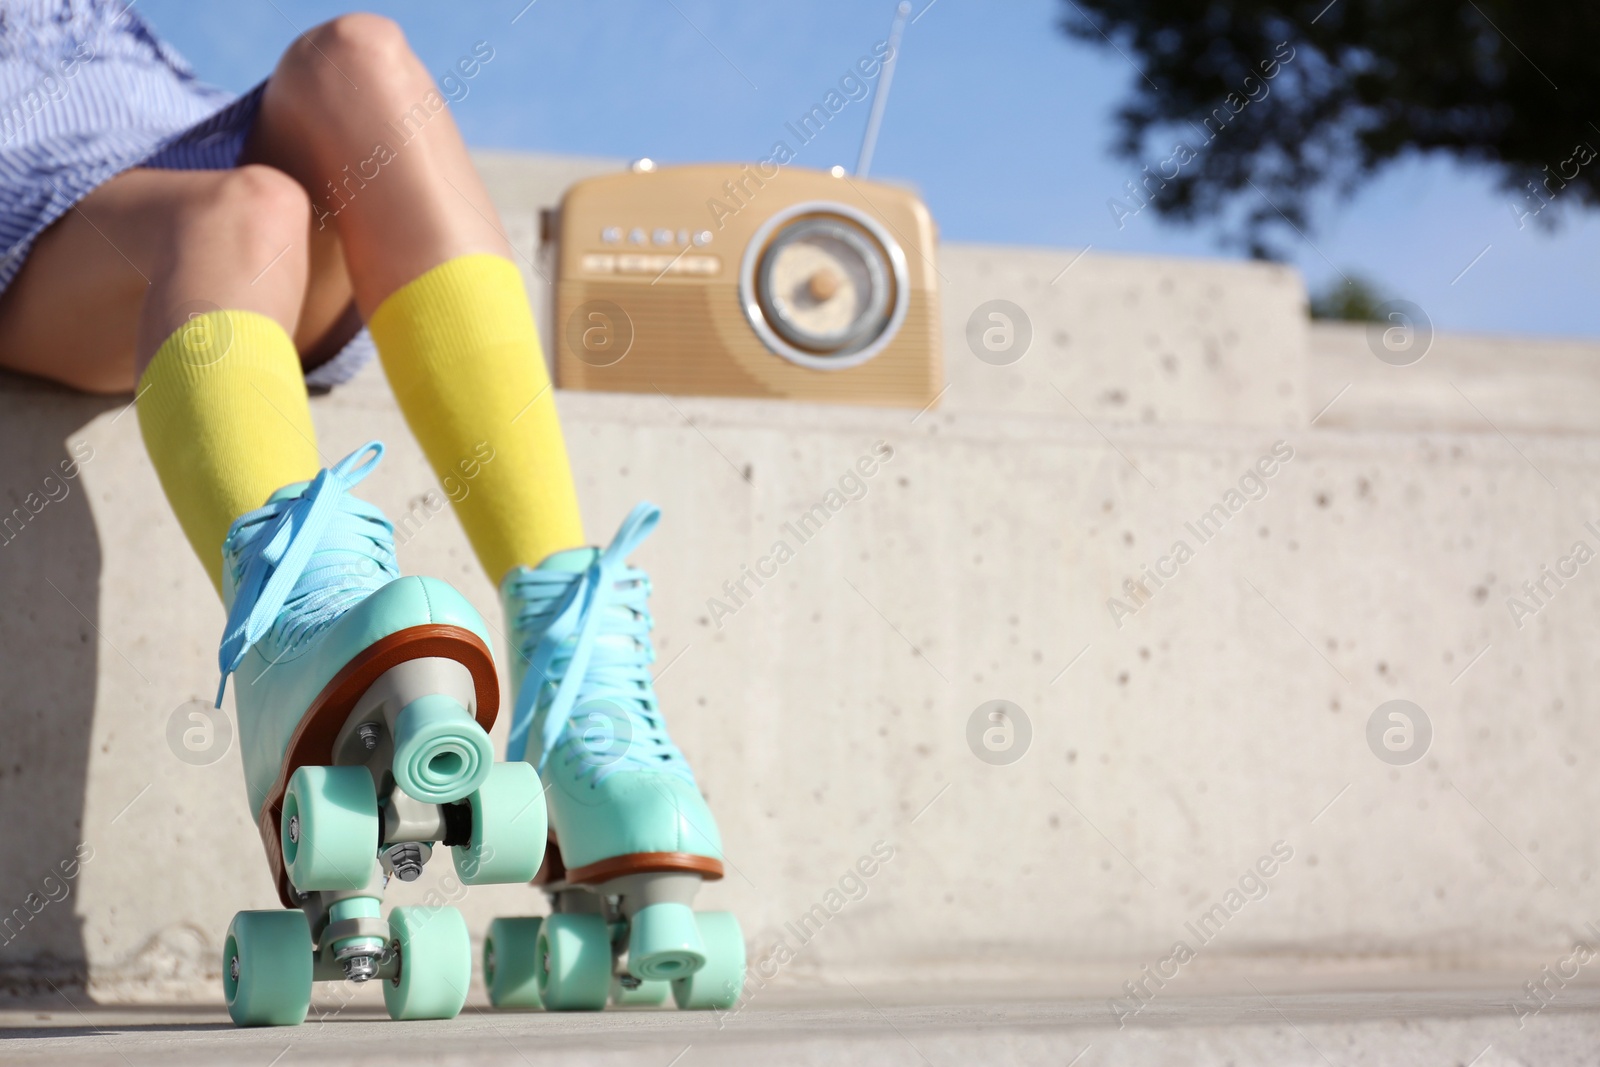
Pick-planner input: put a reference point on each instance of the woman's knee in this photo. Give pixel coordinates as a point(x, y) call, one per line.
point(361, 57)
point(253, 210)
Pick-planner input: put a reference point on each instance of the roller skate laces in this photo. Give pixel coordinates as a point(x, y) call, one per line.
point(302, 560)
point(587, 696)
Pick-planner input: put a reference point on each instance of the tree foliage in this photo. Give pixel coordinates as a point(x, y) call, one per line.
point(1507, 84)
point(1353, 299)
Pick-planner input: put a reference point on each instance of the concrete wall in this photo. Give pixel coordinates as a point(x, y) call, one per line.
point(1467, 382)
point(1175, 738)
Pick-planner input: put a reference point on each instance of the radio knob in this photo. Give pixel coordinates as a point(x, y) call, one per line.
point(823, 284)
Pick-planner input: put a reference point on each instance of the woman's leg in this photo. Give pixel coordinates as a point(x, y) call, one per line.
point(422, 246)
point(102, 288)
point(354, 116)
point(190, 283)
point(347, 114)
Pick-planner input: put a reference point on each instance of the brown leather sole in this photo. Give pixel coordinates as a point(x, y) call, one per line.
point(555, 869)
point(646, 863)
point(312, 743)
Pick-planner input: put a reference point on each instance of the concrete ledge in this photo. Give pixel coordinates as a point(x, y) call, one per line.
point(830, 710)
point(1000, 548)
point(1131, 339)
point(1466, 382)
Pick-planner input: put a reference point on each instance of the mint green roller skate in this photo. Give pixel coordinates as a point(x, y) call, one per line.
point(364, 701)
point(632, 838)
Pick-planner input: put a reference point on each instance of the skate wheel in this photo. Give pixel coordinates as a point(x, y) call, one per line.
point(511, 962)
point(721, 981)
point(574, 962)
point(266, 968)
point(329, 828)
point(435, 963)
point(646, 994)
point(441, 754)
point(509, 828)
point(664, 943)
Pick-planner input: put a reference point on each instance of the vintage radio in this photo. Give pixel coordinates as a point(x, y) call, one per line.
point(746, 280)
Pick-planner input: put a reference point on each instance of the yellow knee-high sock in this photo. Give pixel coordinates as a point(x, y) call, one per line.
point(223, 412)
point(463, 357)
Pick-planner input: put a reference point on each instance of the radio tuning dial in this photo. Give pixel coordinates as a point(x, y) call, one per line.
point(826, 286)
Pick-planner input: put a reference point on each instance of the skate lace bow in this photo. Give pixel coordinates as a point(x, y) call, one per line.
point(306, 560)
point(603, 713)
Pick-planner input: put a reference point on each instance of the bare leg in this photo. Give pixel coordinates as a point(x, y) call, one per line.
point(114, 277)
point(148, 243)
point(354, 116)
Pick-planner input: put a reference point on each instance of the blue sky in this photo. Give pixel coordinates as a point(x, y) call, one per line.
point(1002, 122)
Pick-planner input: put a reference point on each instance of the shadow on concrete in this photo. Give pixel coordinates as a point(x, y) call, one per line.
point(49, 648)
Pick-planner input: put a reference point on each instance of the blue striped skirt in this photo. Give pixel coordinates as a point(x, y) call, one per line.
point(87, 91)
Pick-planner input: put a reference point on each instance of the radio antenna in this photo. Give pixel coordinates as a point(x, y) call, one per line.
point(880, 95)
